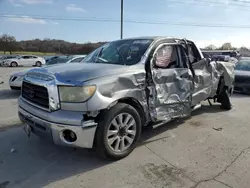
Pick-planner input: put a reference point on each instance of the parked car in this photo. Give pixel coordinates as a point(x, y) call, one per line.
point(242, 76)
point(16, 79)
point(104, 102)
point(25, 60)
point(5, 57)
point(66, 59)
point(49, 58)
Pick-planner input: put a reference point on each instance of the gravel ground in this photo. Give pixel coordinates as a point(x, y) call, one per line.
point(209, 150)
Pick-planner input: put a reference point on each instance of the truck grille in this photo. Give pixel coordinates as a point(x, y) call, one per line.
point(35, 94)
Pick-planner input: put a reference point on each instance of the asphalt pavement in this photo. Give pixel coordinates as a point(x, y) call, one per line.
point(209, 150)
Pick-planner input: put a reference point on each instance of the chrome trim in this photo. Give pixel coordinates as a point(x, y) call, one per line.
point(50, 84)
point(35, 105)
point(85, 136)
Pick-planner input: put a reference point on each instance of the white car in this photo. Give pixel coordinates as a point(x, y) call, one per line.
point(25, 60)
point(16, 79)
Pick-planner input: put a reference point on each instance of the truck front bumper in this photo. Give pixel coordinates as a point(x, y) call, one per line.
point(53, 125)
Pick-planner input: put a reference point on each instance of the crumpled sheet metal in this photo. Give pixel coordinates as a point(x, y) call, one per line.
point(170, 91)
point(225, 69)
point(202, 81)
point(130, 84)
point(172, 88)
point(207, 78)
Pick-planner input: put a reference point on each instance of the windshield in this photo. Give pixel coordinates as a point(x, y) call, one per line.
point(121, 52)
point(243, 66)
point(58, 60)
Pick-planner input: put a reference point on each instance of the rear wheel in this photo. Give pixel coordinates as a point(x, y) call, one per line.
point(13, 64)
point(225, 99)
point(38, 64)
point(118, 131)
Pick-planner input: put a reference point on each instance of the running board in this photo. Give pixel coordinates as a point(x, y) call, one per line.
point(196, 107)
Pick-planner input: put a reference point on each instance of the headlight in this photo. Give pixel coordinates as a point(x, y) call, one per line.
point(76, 94)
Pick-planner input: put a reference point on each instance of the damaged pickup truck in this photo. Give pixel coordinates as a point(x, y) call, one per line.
point(104, 102)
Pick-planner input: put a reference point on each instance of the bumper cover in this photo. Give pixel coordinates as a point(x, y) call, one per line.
point(43, 126)
point(242, 87)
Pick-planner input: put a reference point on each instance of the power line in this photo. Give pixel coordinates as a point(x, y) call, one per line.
point(213, 25)
point(214, 4)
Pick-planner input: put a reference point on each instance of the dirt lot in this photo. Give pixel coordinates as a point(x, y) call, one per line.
point(211, 149)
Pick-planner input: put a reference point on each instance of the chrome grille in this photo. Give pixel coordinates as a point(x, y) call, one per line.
point(35, 94)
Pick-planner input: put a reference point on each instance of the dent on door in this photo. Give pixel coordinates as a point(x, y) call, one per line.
point(170, 92)
point(202, 82)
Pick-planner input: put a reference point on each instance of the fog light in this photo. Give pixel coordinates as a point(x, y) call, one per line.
point(69, 136)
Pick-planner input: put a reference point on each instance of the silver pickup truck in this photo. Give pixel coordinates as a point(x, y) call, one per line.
point(122, 86)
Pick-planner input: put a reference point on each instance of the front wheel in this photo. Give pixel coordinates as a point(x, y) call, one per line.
point(118, 131)
point(13, 64)
point(38, 64)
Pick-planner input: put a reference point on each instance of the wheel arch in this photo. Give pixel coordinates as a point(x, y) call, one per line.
point(127, 100)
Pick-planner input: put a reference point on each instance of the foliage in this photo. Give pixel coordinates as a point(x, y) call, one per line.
point(9, 43)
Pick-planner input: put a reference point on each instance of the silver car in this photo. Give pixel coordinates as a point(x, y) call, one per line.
point(104, 102)
point(16, 79)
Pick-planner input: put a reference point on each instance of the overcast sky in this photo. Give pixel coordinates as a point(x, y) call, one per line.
point(208, 12)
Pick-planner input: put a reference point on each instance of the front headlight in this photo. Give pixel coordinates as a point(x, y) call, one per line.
point(76, 94)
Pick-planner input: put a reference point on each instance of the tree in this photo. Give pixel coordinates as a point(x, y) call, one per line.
point(210, 47)
point(7, 43)
point(226, 46)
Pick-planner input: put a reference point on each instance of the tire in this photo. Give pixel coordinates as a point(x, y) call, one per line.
point(225, 100)
point(38, 64)
point(13, 64)
point(103, 147)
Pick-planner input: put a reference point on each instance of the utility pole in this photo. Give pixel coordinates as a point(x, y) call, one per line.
point(121, 19)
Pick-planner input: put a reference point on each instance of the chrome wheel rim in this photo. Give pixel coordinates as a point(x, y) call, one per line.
point(121, 132)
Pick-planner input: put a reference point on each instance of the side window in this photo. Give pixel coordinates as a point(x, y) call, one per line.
point(193, 54)
point(26, 57)
point(167, 57)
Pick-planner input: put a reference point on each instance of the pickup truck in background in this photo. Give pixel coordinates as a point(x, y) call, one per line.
point(104, 102)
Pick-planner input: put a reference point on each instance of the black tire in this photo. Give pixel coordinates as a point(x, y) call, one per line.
point(104, 121)
point(13, 64)
point(38, 64)
point(225, 100)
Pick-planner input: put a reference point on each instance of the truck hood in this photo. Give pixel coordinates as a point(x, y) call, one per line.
point(76, 73)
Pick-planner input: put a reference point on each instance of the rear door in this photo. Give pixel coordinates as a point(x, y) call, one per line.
point(203, 75)
point(171, 85)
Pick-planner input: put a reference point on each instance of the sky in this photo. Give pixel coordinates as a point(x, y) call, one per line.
point(79, 20)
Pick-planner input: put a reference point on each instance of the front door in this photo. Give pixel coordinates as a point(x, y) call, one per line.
point(171, 85)
point(25, 61)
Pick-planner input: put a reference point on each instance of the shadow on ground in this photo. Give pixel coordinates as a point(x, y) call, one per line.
point(9, 94)
point(36, 163)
